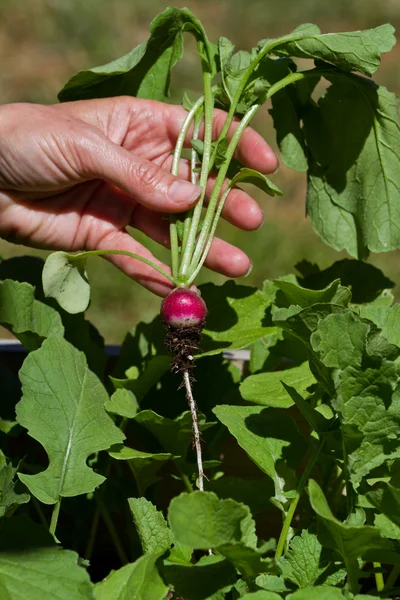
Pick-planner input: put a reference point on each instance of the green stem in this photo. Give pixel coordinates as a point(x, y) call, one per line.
point(205, 166)
point(293, 505)
point(93, 532)
point(39, 511)
point(111, 530)
point(173, 233)
point(54, 518)
point(194, 178)
point(186, 482)
point(124, 253)
point(391, 580)
point(210, 237)
point(380, 582)
point(208, 219)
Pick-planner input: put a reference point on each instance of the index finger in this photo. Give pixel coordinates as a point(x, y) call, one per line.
point(252, 150)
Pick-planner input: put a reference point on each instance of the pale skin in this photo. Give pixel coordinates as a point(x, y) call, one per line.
point(74, 176)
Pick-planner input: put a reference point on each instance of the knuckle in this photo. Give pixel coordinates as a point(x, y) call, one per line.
point(148, 175)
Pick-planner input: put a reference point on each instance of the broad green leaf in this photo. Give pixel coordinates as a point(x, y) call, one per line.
point(255, 493)
point(292, 293)
point(145, 71)
point(236, 317)
point(270, 438)
point(122, 403)
point(320, 592)
point(365, 393)
point(9, 498)
point(248, 561)
point(352, 542)
point(258, 179)
point(33, 567)
point(200, 581)
point(201, 520)
point(142, 383)
point(65, 279)
point(286, 115)
point(387, 318)
point(225, 51)
point(354, 183)
point(63, 409)
point(28, 319)
point(387, 527)
point(320, 418)
point(267, 389)
point(305, 564)
point(261, 595)
point(85, 337)
point(136, 581)
point(340, 340)
point(144, 465)
point(271, 583)
point(151, 526)
point(365, 281)
point(350, 51)
point(386, 497)
point(175, 435)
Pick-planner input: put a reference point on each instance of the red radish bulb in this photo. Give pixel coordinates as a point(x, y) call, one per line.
point(183, 308)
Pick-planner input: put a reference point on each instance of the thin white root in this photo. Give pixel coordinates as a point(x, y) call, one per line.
point(196, 430)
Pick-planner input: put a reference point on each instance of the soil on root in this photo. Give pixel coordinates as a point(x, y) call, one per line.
point(183, 344)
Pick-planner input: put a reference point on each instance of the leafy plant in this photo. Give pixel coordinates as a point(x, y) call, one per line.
point(98, 475)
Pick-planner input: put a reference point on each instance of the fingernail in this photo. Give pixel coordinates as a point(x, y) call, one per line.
point(262, 222)
point(277, 168)
point(249, 270)
point(183, 192)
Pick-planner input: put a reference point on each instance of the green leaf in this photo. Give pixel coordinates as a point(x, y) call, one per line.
point(270, 438)
point(28, 319)
point(122, 403)
point(271, 583)
point(144, 465)
point(350, 51)
point(261, 595)
point(9, 498)
point(151, 526)
point(386, 497)
point(200, 581)
point(258, 179)
point(352, 542)
point(387, 318)
point(236, 317)
point(365, 281)
point(306, 563)
point(266, 389)
point(33, 566)
point(354, 183)
point(65, 279)
point(248, 561)
point(286, 114)
point(174, 435)
point(364, 395)
point(320, 592)
point(142, 382)
point(145, 71)
point(255, 493)
point(291, 293)
point(387, 527)
point(139, 581)
point(201, 520)
point(63, 409)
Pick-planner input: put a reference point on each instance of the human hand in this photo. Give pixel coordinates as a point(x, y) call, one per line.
point(73, 176)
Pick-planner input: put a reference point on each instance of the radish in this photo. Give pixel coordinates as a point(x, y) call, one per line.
point(183, 308)
point(184, 312)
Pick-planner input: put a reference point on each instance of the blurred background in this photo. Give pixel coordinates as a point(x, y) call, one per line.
point(44, 42)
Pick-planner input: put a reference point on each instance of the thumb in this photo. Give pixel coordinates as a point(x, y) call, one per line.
point(148, 183)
